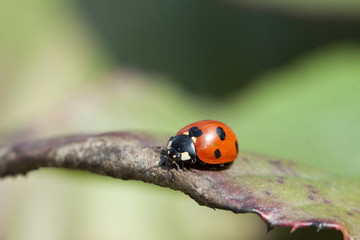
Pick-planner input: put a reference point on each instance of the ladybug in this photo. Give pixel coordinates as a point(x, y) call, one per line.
point(205, 142)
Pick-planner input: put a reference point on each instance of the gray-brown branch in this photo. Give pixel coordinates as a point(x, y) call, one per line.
point(120, 155)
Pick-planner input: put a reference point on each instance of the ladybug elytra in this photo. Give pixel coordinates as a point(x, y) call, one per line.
point(206, 142)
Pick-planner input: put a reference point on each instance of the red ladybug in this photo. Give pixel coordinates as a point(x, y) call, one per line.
point(206, 142)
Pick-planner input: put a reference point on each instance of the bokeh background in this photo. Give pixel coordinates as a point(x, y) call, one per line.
point(285, 75)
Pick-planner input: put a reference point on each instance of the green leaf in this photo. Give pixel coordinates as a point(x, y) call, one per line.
point(286, 194)
point(307, 111)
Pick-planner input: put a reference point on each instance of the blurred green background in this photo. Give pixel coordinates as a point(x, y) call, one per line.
point(285, 75)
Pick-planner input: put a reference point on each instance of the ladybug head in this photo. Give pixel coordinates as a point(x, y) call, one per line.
point(181, 148)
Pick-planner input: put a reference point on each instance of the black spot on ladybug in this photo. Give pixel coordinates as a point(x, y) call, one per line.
point(217, 153)
point(195, 132)
point(237, 146)
point(221, 133)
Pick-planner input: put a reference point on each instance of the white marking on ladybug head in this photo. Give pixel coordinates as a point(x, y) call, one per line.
point(193, 139)
point(169, 152)
point(174, 156)
point(186, 133)
point(185, 156)
point(169, 144)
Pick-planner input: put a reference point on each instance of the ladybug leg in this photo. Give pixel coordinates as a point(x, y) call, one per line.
point(212, 168)
point(183, 167)
point(176, 164)
point(163, 157)
point(163, 151)
point(178, 167)
point(162, 161)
